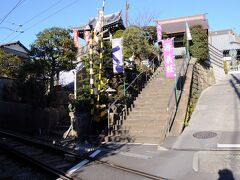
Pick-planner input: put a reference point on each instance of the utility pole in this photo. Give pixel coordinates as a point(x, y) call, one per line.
point(127, 7)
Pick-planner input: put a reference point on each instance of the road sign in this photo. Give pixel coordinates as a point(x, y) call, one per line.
point(233, 53)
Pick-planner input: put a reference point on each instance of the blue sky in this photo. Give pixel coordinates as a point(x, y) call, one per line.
point(221, 14)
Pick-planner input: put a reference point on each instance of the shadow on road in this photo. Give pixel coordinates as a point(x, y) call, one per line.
point(225, 174)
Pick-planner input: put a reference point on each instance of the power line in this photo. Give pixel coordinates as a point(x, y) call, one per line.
point(42, 12)
point(7, 36)
point(46, 18)
point(34, 17)
point(18, 4)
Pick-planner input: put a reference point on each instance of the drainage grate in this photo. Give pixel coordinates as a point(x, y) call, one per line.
point(204, 135)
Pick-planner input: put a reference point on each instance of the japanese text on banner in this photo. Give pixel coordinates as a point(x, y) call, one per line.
point(168, 53)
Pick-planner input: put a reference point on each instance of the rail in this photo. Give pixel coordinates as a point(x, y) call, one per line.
point(176, 94)
point(80, 156)
point(118, 110)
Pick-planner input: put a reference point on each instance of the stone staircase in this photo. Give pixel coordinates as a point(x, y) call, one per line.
point(147, 121)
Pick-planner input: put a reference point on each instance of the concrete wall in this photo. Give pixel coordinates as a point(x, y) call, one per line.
point(25, 118)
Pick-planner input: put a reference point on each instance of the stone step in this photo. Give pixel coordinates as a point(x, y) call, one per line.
point(146, 118)
point(135, 139)
point(159, 84)
point(153, 105)
point(142, 132)
point(151, 101)
point(147, 140)
point(149, 123)
point(157, 89)
point(147, 113)
point(149, 109)
point(150, 97)
point(159, 93)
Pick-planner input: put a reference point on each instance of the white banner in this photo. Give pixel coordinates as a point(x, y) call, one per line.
point(189, 36)
point(117, 54)
point(99, 23)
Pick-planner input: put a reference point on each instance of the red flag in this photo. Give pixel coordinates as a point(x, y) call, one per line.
point(75, 37)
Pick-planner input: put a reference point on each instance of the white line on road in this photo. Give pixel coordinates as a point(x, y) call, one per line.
point(82, 163)
point(228, 145)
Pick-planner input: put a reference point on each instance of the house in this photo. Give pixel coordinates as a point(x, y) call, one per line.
point(16, 48)
point(225, 40)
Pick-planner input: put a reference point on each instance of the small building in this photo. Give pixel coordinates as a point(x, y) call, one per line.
point(176, 27)
point(225, 40)
point(17, 49)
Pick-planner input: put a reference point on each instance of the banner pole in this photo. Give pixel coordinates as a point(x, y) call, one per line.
point(100, 69)
point(91, 73)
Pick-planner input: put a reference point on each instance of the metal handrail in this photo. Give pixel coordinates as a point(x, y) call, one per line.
point(171, 104)
point(124, 109)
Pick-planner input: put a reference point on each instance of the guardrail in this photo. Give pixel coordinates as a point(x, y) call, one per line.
point(176, 94)
point(118, 110)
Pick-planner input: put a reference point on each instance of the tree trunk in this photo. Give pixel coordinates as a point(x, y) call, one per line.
point(52, 76)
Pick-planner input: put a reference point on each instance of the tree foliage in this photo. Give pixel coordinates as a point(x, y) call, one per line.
point(9, 64)
point(118, 34)
point(199, 47)
point(135, 42)
point(151, 33)
point(55, 51)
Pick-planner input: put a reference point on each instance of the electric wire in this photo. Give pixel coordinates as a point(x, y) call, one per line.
point(46, 18)
point(34, 17)
point(42, 12)
point(5, 17)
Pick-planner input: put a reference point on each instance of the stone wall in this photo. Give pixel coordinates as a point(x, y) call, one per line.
point(203, 77)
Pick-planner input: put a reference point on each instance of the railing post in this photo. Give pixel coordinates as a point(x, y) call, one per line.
point(176, 95)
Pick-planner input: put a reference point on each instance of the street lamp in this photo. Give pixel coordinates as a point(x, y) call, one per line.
point(14, 30)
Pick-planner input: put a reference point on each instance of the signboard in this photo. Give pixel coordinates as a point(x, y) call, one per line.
point(168, 54)
point(233, 53)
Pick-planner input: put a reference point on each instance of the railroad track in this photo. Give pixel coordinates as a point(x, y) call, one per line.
point(56, 160)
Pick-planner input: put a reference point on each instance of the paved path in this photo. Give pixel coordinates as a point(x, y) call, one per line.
point(187, 157)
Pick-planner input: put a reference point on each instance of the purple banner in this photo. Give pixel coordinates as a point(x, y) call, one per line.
point(159, 32)
point(168, 54)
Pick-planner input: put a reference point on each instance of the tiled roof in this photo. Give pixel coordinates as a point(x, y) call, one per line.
point(14, 43)
point(108, 20)
point(178, 25)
